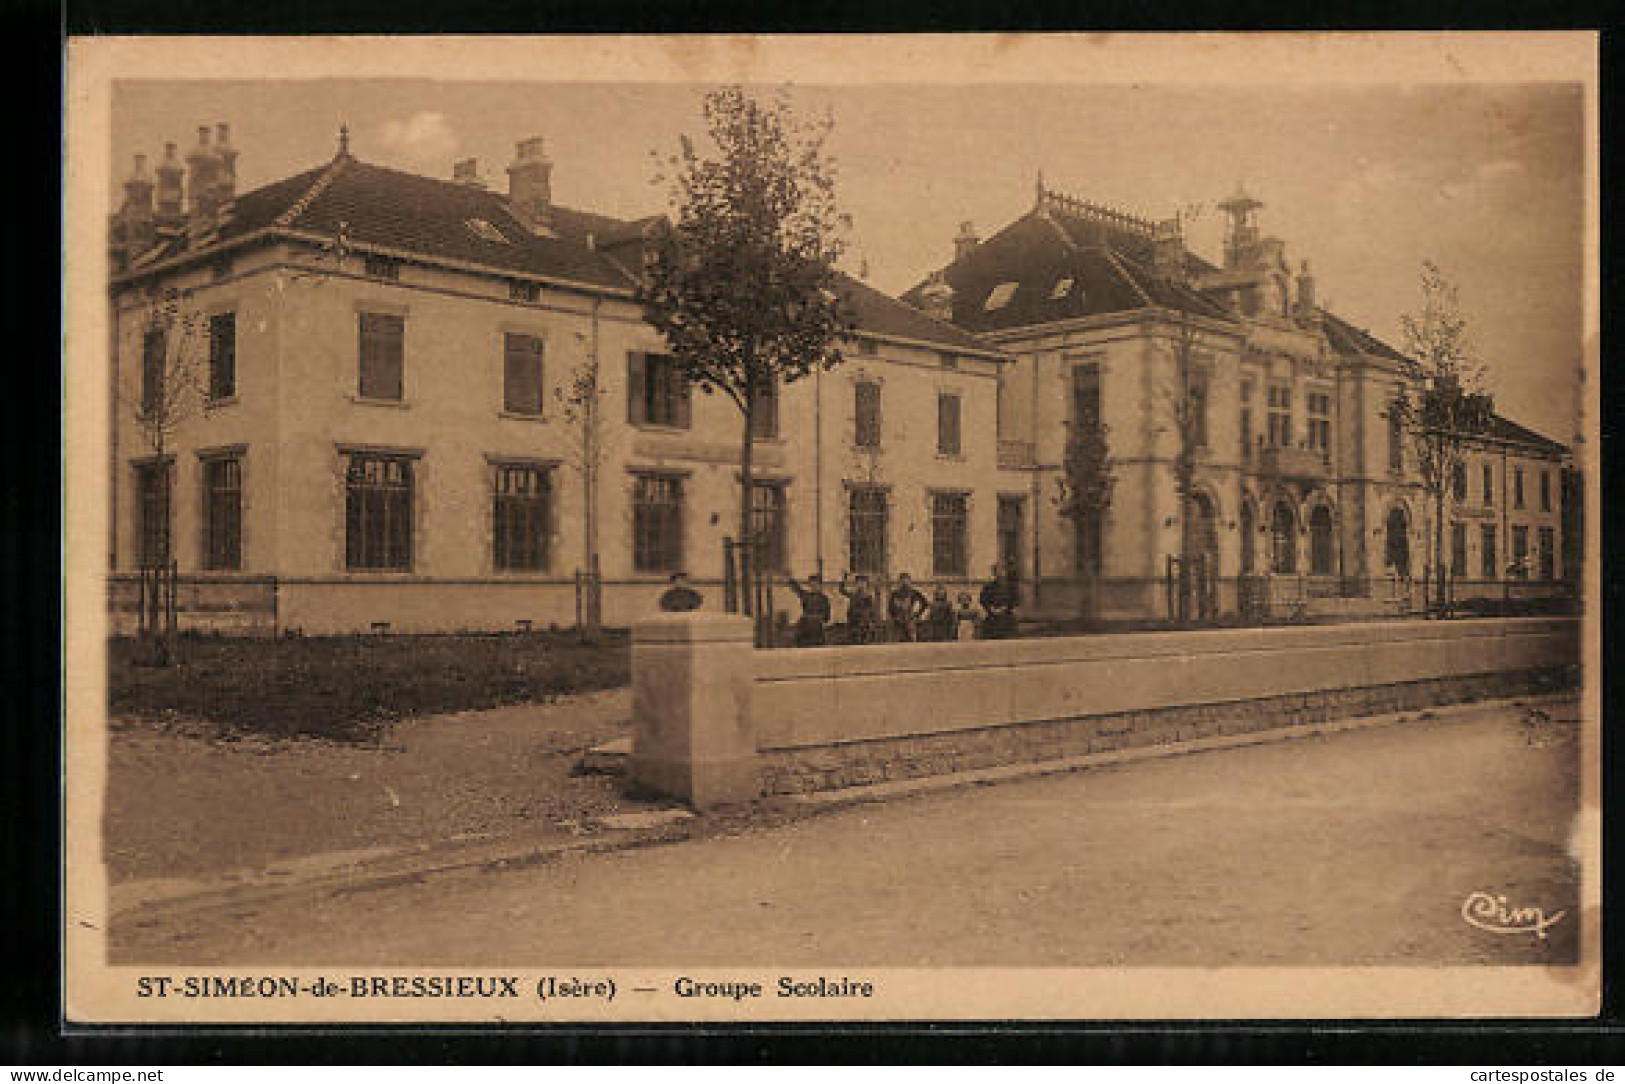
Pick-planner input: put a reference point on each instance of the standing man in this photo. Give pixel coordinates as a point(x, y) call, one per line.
point(999, 603)
point(860, 610)
point(814, 611)
point(905, 606)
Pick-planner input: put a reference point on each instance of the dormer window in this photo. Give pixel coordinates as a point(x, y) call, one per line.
point(1000, 297)
point(384, 267)
point(486, 232)
point(520, 290)
point(1063, 287)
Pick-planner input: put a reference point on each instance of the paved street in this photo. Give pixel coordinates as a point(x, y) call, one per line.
point(1357, 848)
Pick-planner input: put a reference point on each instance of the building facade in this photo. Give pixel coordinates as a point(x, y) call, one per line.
point(1303, 485)
point(388, 429)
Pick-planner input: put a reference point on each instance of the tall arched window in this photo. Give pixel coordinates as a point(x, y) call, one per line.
point(1283, 544)
point(1322, 554)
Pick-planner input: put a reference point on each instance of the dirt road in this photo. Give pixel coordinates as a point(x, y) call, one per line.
point(1357, 848)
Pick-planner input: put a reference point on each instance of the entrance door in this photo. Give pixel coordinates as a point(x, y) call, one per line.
point(1396, 551)
point(1012, 516)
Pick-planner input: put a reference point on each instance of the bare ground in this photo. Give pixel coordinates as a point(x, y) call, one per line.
point(184, 800)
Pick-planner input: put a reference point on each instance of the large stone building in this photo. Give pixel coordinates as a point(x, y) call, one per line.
point(1301, 477)
point(382, 437)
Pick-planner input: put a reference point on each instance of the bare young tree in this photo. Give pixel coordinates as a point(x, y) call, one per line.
point(1186, 411)
point(1444, 408)
point(579, 399)
point(743, 285)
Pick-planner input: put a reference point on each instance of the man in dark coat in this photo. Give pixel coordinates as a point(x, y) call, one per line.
point(814, 611)
point(860, 610)
point(904, 607)
point(999, 600)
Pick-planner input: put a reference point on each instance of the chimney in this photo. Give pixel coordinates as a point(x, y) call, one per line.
point(1168, 252)
point(966, 241)
point(226, 179)
point(467, 172)
point(1307, 310)
point(201, 167)
point(169, 186)
point(937, 298)
point(530, 181)
point(136, 214)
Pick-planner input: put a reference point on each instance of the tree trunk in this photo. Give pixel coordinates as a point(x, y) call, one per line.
point(1438, 548)
point(746, 485)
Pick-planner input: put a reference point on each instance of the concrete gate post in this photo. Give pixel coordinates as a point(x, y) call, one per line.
point(692, 736)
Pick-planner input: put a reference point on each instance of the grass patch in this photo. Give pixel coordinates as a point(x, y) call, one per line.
point(346, 688)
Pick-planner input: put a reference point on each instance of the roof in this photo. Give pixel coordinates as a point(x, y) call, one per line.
point(1506, 429)
point(1348, 339)
point(1109, 268)
point(379, 207)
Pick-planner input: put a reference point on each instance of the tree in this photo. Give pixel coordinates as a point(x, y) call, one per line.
point(1187, 410)
point(743, 284)
point(1085, 493)
point(578, 400)
point(1442, 410)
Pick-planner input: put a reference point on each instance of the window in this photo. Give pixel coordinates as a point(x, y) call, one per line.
point(153, 349)
point(1547, 551)
point(223, 355)
point(1396, 437)
point(1545, 491)
point(1246, 421)
point(378, 512)
point(383, 359)
point(1322, 550)
point(657, 523)
point(947, 424)
point(383, 267)
point(1517, 487)
point(1320, 423)
point(486, 232)
point(764, 421)
point(521, 374)
point(1458, 481)
point(1520, 552)
point(1486, 552)
point(1086, 395)
point(657, 391)
point(948, 528)
point(1280, 416)
point(1000, 297)
point(1458, 549)
point(223, 513)
point(866, 410)
point(1198, 407)
point(519, 290)
point(521, 517)
point(1283, 529)
point(867, 513)
point(1011, 514)
point(1489, 484)
point(152, 513)
point(768, 527)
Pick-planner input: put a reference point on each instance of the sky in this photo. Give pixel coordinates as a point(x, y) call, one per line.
point(1364, 182)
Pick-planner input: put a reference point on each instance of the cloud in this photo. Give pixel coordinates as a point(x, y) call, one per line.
point(423, 138)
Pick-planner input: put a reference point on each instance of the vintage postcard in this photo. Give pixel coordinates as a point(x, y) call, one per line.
point(807, 528)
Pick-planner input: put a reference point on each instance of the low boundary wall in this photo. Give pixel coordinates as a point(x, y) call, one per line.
point(716, 721)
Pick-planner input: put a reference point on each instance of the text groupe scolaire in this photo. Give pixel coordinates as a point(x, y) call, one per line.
point(784, 986)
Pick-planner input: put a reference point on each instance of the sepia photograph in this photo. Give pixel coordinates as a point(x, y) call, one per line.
point(662, 529)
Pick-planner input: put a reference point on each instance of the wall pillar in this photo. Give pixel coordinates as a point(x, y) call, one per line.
point(692, 737)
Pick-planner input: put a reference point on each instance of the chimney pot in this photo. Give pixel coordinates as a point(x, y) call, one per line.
point(222, 133)
point(203, 135)
point(530, 181)
point(139, 172)
point(966, 241)
point(467, 172)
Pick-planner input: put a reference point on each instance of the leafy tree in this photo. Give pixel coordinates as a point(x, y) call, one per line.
point(1085, 492)
point(743, 283)
point(1442, 410)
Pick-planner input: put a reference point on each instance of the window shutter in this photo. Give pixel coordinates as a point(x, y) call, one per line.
point(636, 404)
point(682, 395)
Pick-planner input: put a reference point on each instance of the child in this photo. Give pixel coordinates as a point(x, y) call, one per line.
point(941, 615)
point(965, 618)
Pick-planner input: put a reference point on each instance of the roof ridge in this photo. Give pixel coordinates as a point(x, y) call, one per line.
point(299, 206)
point(1117, 262)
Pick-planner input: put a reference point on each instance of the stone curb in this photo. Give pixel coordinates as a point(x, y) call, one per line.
point(361, 871)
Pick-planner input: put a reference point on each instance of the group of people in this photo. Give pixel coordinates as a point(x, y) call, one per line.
point(909, 615)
